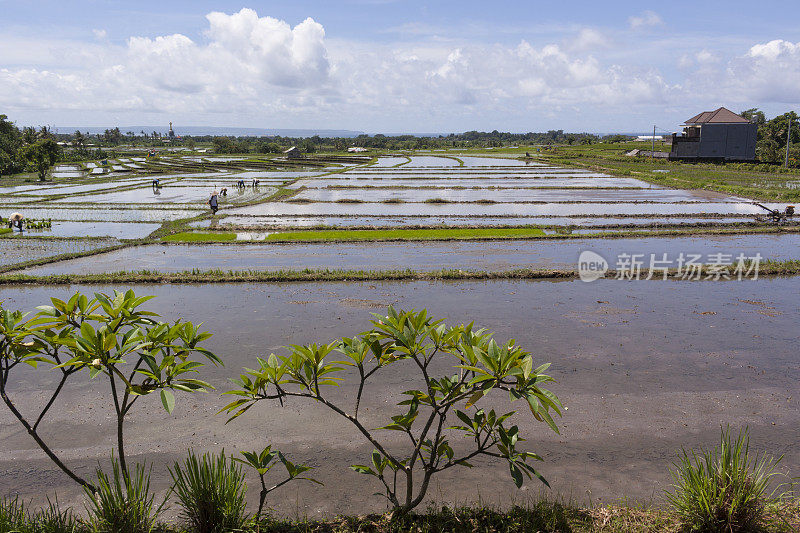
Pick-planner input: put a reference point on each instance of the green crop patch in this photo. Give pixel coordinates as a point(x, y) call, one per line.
point(439, 234)
point(407, 234)
point(189, 236)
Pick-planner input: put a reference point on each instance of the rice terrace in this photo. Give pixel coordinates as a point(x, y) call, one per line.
point(246, 327)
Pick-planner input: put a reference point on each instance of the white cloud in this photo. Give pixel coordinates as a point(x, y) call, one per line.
point(702, 58)
point(589, 39)
point(99, 34)
point(768, 72)
point(646, 19)
point(246, 60)
point(249, 69)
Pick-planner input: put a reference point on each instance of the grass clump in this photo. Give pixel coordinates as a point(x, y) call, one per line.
point(12, 514)
point(725, 489)
point(15, 519)
point(123, 503)
point(211, 493)
point(53, 520)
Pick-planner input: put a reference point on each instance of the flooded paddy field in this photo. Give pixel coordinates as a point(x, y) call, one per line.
point(456, 173)
point(432, 161)
point(390, 161)
point(171, 194)
point(500, 209)
point(499, 195)
point(119, 230)
point(493, 256)
point(103, 214)
point(346, 180)
point(425, 189)
point(78, 188)
point(645, 368)
point(472, 161)
point(15, 250)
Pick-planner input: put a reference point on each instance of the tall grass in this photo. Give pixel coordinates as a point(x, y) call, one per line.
point(123, 503)
point(53, 520)
point(211, 492)
point(15, 519)
point(12, 515)
point(725, 489)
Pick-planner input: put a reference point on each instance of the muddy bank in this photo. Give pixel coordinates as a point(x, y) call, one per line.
point(644, 367)
point(419, 256)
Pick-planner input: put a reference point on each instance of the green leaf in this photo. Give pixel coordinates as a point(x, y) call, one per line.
point(168, 400)
point(477, 395)
point(516, 474)
point(362, 469)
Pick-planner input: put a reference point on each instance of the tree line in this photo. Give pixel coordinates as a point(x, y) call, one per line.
point(773, 135)
point(35, 150)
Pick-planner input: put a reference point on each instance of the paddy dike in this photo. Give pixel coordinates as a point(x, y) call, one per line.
point(492, 256)
point(643, 367)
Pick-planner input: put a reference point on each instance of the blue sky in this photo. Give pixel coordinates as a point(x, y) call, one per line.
point(395, 66)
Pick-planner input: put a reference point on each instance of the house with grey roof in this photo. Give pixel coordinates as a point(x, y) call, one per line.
point(293, 153)
point(719, 135)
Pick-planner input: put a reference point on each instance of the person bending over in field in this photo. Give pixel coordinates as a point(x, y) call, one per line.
point(213, 202)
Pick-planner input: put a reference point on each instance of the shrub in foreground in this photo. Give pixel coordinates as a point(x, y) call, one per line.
point(725, 489)
point(123, 502)
point(262, 462)
point(110, 338)
point(211, 492)
point(419, 345)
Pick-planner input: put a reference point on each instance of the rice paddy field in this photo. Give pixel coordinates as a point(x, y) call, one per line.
point(408, 197)
point(305, 251)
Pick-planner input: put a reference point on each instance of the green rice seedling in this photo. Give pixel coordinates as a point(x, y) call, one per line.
point(725, 489)
point(211, 492)
point(123, 503)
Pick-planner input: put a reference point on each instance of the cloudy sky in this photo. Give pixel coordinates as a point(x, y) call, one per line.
point(395, 65)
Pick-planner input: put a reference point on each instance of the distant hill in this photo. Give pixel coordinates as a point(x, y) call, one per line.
point(215, 130)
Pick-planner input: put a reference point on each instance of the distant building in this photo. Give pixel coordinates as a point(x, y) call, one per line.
point(720, 135)
point(171, 132)
point(293, 153)
point(357, 149)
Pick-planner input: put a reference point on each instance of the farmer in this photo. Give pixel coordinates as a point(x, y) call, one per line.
point(213, 202)
point(16, 220)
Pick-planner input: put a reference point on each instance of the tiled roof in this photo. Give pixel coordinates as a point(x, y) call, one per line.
point(720, 116)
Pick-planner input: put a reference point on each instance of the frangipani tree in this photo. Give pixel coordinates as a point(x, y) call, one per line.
point(111, 338)
point(427, 414)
